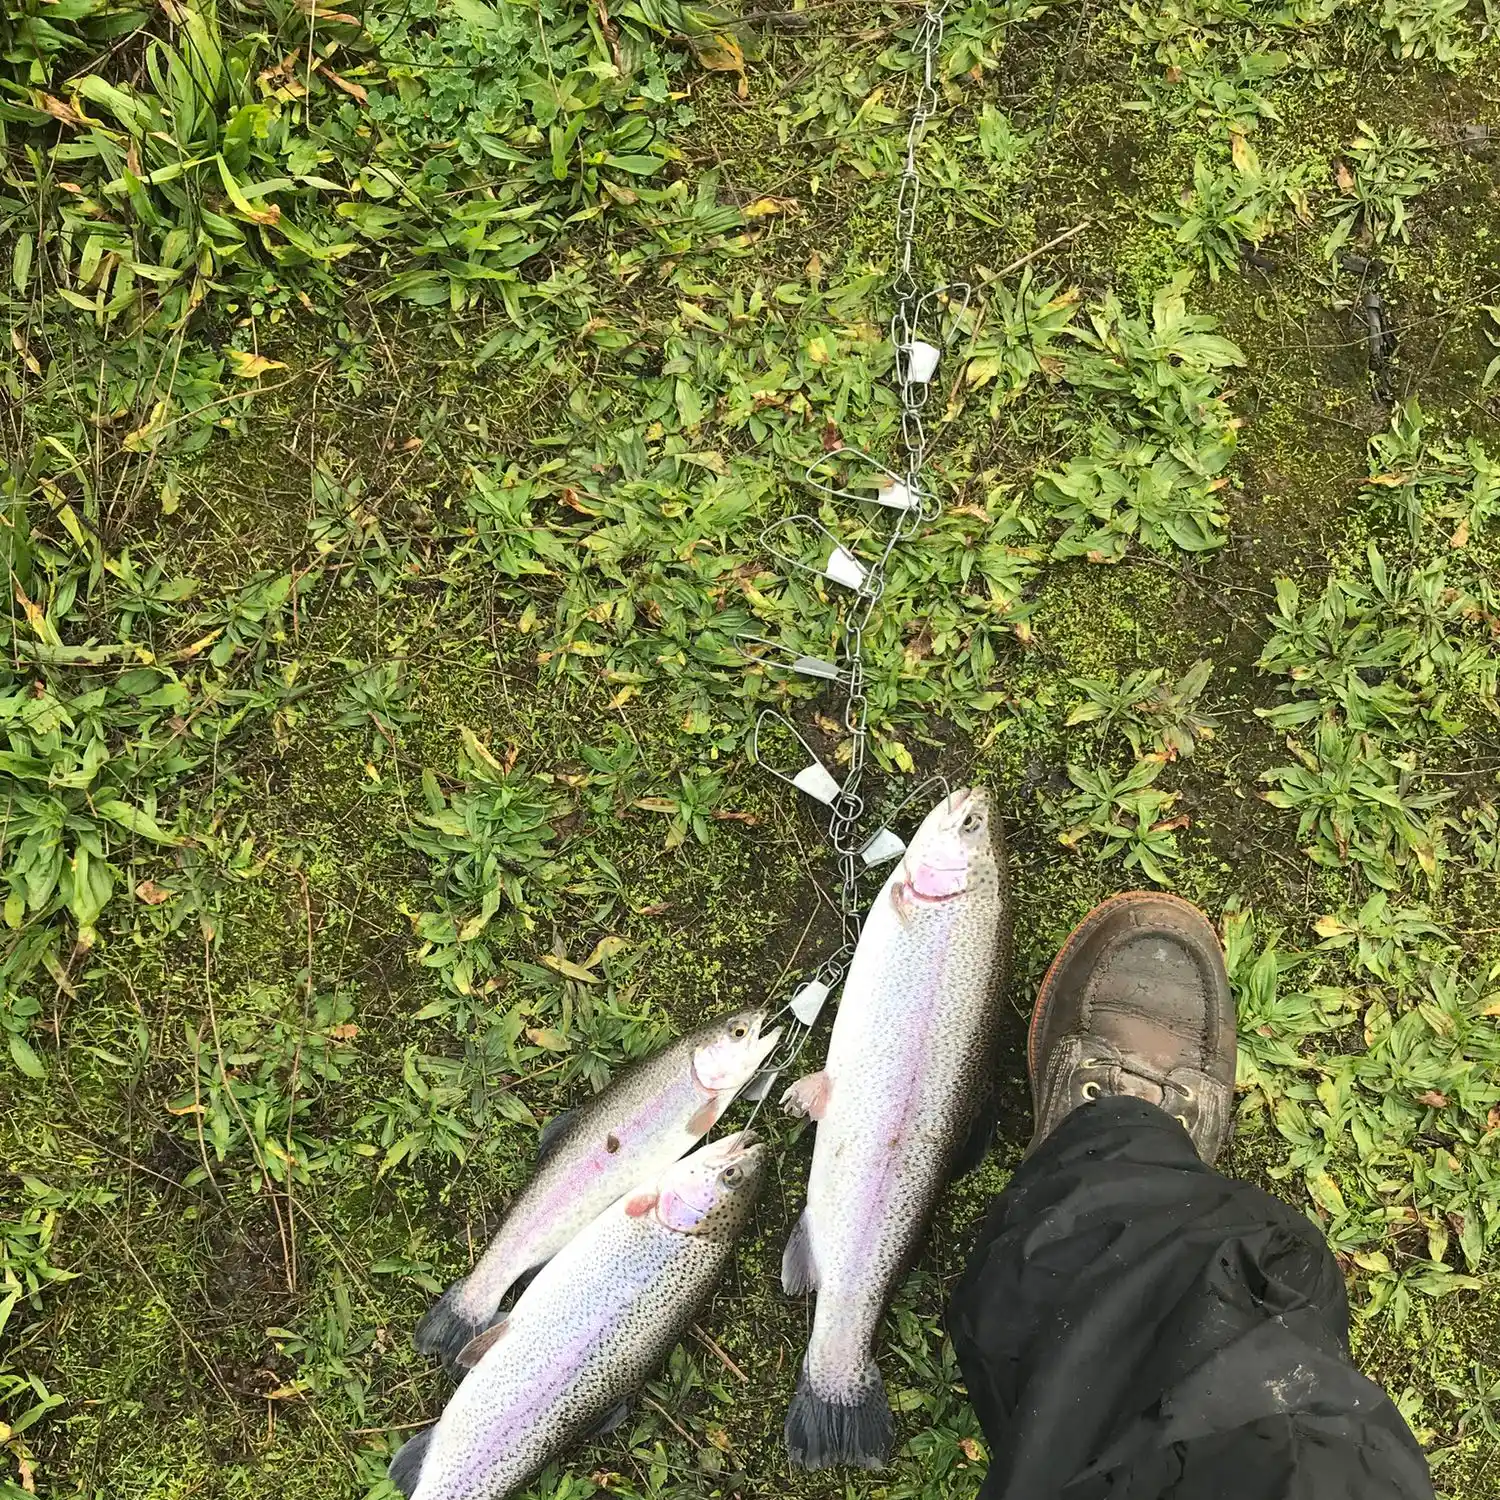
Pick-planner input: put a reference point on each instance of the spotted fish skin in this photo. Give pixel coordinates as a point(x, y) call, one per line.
point(598, 1319)
point(649, 1116)
point(910, 1062)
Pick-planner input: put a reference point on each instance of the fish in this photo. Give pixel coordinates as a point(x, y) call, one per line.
point(901, 1099)
point(648, 1116)
point(589, 1330)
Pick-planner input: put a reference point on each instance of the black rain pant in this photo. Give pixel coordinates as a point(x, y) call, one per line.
point(1136, 1326)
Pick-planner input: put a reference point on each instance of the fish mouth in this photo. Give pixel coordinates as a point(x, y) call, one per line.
point(959, 799)
point(915, 893)
point(729, 1147)
point(765, 1046)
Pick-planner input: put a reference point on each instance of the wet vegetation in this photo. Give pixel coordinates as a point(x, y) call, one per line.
point(394, 398)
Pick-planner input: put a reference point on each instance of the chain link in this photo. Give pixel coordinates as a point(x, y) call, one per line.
point(847, 808)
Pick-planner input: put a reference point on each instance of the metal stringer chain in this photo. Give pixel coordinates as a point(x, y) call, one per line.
point(902, 493)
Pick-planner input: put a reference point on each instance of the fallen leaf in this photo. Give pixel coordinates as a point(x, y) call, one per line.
point(65, 113)
point(345, 1033)
point(1460, 537)
point(546, 1038)
point(250, 366)
point(720, 54)
point(656, 805)
point(201, 644)
point(19, 344)
point(151, 893)
point(1344, 177)
point(763, 208)
point(354, 90)
point(832, 440)
point(971, 1449)
point(1433, 1099)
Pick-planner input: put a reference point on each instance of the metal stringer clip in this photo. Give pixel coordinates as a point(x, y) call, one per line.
point(866, 479)
point(785, 658)
point(813, 777)
point(840, 565)
point(885, 844)
point(917, 356)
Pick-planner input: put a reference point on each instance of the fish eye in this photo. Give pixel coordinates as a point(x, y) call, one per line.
point(730, 1175)
point(739, 1031)
point(970, 823)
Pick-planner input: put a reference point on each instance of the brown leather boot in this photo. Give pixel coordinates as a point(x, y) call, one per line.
point(1137, 1002)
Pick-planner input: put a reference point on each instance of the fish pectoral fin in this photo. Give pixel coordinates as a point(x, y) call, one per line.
point(799, 1271)
point(808, 1096)
point(406, 1466)
point(610, 1420)
point(639, 1204)
point(480, 1345)
point(552, 1132)
point(976, 1144)
point(704, 1118)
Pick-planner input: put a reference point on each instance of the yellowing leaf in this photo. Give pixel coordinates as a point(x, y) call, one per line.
point(569, 970)
point(546, 1038)
point(143, 438)
point(606, 947)
point(763, 208)
point(1325, 1193)
point(720, 54)
point(656, 804)
point(250, 366)
point(1243, 153)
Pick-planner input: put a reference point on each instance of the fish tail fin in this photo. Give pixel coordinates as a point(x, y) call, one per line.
point(406, 1466)
point(825, 1430)
point(449, 1325)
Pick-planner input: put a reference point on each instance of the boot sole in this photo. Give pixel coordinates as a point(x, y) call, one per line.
point(1090, 922)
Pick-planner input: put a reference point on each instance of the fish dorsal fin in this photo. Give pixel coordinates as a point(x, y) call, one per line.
point(552, 1132)
point(480, 1345)
point(406, 1467)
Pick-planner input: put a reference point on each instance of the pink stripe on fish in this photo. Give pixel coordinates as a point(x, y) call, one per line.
point(566, 1190)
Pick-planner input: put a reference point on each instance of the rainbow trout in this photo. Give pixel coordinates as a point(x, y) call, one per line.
point(603, 1313)
point(910, 1065)
point(647, 1117)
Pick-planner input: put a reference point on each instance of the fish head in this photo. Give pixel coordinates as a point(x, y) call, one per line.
point(957, 848)
point(732, 1050)
point(711, 1191)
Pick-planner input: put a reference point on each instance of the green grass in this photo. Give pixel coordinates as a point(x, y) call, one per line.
point(394, 400)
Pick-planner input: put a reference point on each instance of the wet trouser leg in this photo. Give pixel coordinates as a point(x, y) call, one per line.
point(1134, 1325)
